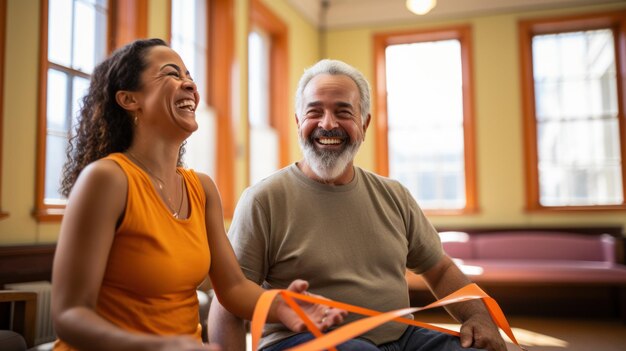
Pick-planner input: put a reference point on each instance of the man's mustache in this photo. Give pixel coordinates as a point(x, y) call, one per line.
point(323, 133)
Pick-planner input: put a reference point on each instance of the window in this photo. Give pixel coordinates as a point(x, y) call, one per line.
point(425, 128)
point(76, 42)
point(263, 139)
point(189, 39)
point(268, 118)
point(75, 34)
point(573, 123)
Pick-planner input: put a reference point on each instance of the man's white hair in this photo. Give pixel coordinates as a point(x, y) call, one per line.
point(335, 67)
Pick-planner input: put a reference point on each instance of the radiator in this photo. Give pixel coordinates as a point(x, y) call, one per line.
point(44, 332)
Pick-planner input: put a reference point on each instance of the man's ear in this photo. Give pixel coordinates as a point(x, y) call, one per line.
point(367, 124)
point(127, 100)
point(295, 115)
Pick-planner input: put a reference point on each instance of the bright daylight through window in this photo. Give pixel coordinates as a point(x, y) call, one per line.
point(425, 121)
point(576, 110)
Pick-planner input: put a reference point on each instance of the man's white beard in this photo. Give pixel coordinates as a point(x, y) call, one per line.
point(328, 165)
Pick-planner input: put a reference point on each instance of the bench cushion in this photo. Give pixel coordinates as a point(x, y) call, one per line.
point(534, 272)
point(544, 271)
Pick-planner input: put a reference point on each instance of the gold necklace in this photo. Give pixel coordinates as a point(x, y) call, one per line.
point(161, 184)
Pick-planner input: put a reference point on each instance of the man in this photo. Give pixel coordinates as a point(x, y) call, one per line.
point(347, 231)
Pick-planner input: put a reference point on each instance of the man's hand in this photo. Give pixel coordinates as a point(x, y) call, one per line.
point(480, 332)
point(323, 316)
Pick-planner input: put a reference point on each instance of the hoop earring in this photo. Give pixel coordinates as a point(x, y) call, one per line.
point(135, 120)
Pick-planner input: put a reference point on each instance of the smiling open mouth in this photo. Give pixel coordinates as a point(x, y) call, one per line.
point(333, 137)
point(186, 104)
point(329, 141)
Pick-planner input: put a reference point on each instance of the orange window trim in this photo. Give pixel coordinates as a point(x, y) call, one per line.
point(223, 75)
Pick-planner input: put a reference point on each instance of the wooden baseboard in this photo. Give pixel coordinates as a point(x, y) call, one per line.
point(24, 263)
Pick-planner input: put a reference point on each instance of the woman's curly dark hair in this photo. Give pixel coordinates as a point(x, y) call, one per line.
point(104, 127)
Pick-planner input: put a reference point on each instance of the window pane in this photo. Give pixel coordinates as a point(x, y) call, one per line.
point(258, 78)
point(189, 38)
point(56, 105)
point(183, 27)
point(263, 153)
point(55, 158)
point(60, 31)
point(90, 24)
point(200, 147)
point(577, 120)
point(581, 142)
point(425, 121)
point(79, 90)
point(263, 137)
point(77, 32)
point(579, 163)
point(575, 75)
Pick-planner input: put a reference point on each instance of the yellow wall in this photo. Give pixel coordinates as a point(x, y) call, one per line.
point(498, 117)
point(158, 22)
point(20, 123)
point(497, 99)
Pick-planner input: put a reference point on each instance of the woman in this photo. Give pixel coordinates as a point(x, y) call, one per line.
point(140, 232)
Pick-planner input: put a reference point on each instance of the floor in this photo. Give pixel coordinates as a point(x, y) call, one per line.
point(552, 334)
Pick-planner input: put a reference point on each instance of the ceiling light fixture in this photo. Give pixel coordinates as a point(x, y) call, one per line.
point(420, 7)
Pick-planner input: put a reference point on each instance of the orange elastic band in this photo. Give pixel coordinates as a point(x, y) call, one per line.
point(375, 319)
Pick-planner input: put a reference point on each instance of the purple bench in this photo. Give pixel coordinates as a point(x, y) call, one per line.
point(580, 265)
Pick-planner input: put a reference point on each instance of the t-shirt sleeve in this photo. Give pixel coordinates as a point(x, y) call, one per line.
point(425, 248)
point(248, 236)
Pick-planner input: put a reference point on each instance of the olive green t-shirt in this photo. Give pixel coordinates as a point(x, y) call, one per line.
point(352, 243)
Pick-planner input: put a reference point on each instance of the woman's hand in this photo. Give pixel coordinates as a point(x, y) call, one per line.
point(323, 316)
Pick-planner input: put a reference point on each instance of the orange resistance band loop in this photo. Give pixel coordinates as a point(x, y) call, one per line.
point(375, 319)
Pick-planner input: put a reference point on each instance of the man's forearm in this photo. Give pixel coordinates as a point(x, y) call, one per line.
point(444, 279)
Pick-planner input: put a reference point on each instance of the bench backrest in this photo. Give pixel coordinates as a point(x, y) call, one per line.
point(531, 246)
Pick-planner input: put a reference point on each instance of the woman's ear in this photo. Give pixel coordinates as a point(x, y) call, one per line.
point(127, 100)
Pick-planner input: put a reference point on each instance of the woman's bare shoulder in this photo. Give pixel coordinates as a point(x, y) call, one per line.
point(102, 178)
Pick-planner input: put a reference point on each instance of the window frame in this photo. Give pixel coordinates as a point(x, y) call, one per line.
point(462, 33)
point(616, 22)
point(220, 96)
point(265, 19)
point(126, 21)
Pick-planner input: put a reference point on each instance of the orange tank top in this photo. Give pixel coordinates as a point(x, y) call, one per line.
point(156, 261)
